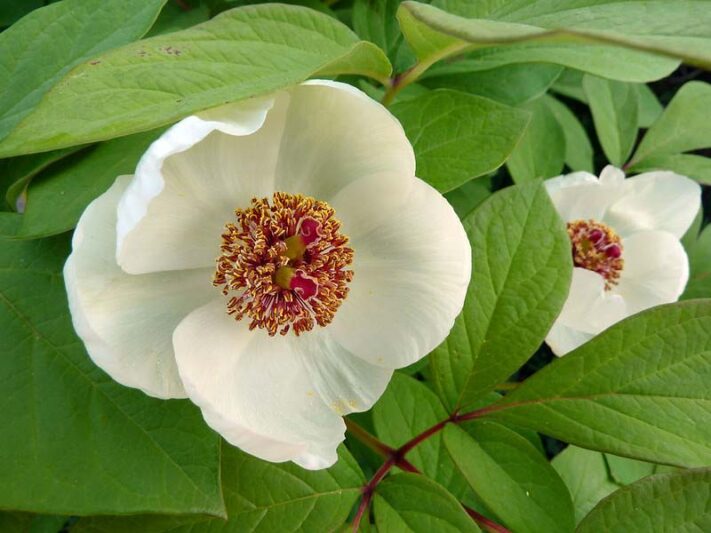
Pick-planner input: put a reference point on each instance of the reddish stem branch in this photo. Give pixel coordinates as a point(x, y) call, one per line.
point(396, 457)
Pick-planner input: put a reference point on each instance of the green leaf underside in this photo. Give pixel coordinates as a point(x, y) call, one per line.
point(639, 389)
point(73, 440)
point(458, 136)
point(678, 502)
point(614, 106)
point(609, 39)
point(259, 497)
point(76, 181)
point(239, 54)
point(682, 127)
point(585, 473)
point(410, 502)
point(696, 167)
point(41, 48)
point(521, 273)
point(578, 149)
point(542, 150)
point(511, 477)
point(509, 84)
point(625, 471)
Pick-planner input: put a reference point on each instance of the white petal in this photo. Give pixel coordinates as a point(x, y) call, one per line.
point(655, 272)
point(588, 310)
point(256, 391)
point(334, 135)
point(655, 201)
point(126, 321)
point(189, 182)
point(582, 196)
point(411, 275)
point(563, 339)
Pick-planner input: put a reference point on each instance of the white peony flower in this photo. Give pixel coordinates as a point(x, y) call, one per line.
point(625, 243)
point(273, 261)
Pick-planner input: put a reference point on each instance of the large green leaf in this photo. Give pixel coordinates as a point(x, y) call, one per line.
point(42, 47)
point(678, 502)
point(624, 470)
point(542, 150)
point(458, 136)
point(521, 273)
point(74, 441)
point(585, 473)
point(609, 39)
point(241, 53)
point(639, 389)
point(683, 126)
point(614, 106)
point(511, 477)
point(374, 21)
point(578, 150)
point(510, 84)
point(410, 502)
point(56, 200)
point(259, 497)
point(29, 523)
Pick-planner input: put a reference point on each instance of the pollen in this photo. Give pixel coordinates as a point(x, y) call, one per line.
point(284, 264)
point(598, 248)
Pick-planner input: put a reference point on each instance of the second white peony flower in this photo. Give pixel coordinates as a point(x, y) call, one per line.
point(273, 261)
point(625, 241)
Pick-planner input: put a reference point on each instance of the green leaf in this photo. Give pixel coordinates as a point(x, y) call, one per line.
point(17, 172)
point(458, 136)
point(694, 166)
point(541, 152)
point(578, 150)
point(511, 477)
point(407, 409)
point(679, 502)
point(465, 198)
point(173, 17)
point(46, 44)
point(56, 200)
point(625, 471)
point(29, 523)
point(649, 107)
point(699, 285)
point(682, 127)
point(508, 84)
point(410, 502)
point(570, 84)
point(585, 473)
point(259, 497)
point(374, 21)
point(73, 440)
point(241, 53)
point(614, 106)
point(639, 389)
point(521, 274)
point(609, 39)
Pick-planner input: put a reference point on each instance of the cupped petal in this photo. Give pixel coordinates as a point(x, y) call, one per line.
point(189, 182)
point(334, 135)
point(278, 398)
point(127, 321)
point(411, 273)
point(588, 310)
point(655, 271)
point(582, 196)
point(655, 201)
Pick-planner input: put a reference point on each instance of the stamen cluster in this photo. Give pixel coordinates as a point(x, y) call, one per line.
point(598, 248)
point(284, 264)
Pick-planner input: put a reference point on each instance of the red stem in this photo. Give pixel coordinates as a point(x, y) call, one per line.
point(397, 458)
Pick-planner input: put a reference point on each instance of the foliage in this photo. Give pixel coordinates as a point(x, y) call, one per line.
point(494, 96)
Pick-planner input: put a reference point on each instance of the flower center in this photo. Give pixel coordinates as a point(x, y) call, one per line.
point(598, 248)
point(284, 264)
